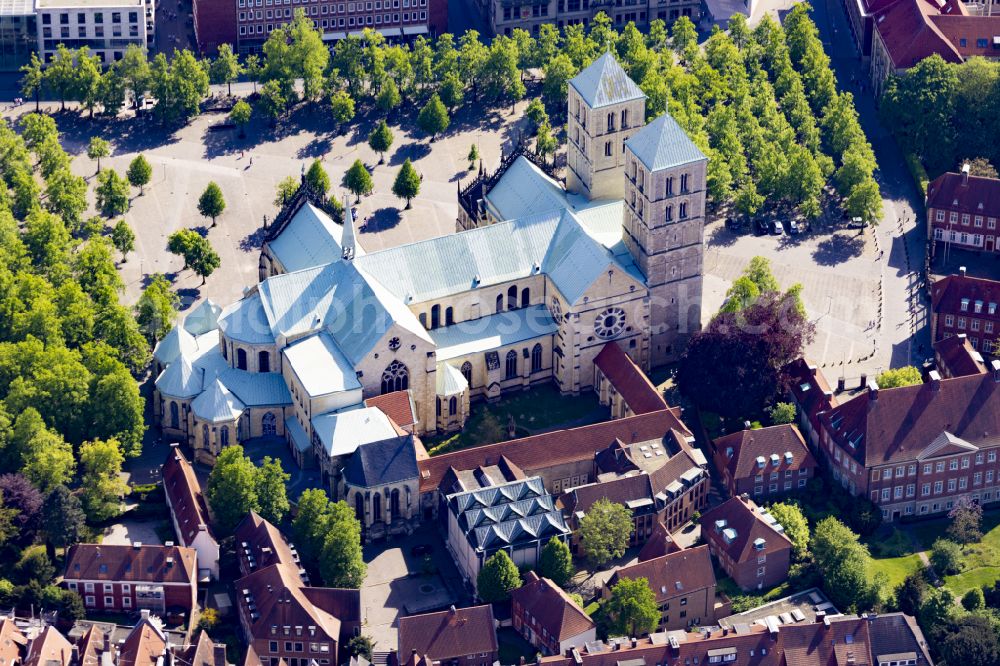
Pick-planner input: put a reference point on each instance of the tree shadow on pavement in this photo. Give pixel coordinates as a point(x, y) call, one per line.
point(381, 220)
point(839, 248)
point(721, 237)
point(253, 241)
point(413, 151)
point(127, 134)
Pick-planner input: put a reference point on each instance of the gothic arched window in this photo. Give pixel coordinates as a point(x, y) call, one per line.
point(511, 369)
point(536, 358)
point(395, 378)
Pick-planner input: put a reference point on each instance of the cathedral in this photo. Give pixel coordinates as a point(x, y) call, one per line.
point(538, 278)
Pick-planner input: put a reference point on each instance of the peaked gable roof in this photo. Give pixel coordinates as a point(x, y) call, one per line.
point(663, 144)
point(672, 574)
point(552, 608)
point(310, 238)
point(740, 452)
point(217, 404)
point(397, 405)
point(138, 563)
point(524, 190)
point(743, 524)
point(629, 380)
point(184, 495)
point(956, 357)
point(12, 642)
point(978, 195)
point(177, 342)
point(383, 462)
point(448, 634)
point(604, 82)
point(145, 645)
point(49, 648)
point(203, 318)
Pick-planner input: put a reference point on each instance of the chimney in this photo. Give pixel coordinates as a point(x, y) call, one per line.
point(76, 654)
point(144, 614)
point(219, 654)
point(961, 271)
point(934, 378)
point(746, 425)
point(965, 175)
point(995, 367)
point(841, 384)
point(107, 643)
point(864, 380)
point(872, 391)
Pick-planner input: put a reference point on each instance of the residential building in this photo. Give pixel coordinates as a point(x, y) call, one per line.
point(879, 640)
point(13, 643)
point(765, 461)
point(894, 35)
point(247, 24)
point(123, 578)
point(145, 645)
point(518, 517)
point(962, 209)
point(386, 323)
point(964, 305)
point(748, 543)
point(809, 391)
point(189, 512)
point(660, 543)
point(905, 450)
point(955, 357)
point(548, 618)
point(106, 27)
point(683, 583)
point(49, 648)
point(281, 616)
point(503, 16)
point(623, 386)
point(455, 637)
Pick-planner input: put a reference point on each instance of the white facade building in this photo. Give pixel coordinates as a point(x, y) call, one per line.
point(106, 27)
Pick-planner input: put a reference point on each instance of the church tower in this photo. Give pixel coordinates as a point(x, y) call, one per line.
point(664, 228)
point(605, 109)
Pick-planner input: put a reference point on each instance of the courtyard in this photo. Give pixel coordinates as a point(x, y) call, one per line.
point(401, 583)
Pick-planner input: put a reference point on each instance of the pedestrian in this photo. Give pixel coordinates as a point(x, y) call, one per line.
point(251, 160)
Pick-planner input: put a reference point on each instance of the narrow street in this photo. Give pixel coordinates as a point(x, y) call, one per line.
point(903, 336)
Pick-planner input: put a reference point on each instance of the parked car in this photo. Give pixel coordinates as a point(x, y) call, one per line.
point(760, 227)
point(856, 223)
point(794, 227)
point(777, 229)
point(421, 549)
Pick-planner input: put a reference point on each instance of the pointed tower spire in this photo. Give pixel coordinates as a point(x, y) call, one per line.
point(348, 242)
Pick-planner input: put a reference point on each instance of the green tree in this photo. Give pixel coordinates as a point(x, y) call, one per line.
point(911, 592)
point(241, 116)
point(48, 460)
point(156, 308)
point(472, 156)
point(358, 180)
point(134, 68)
point(683, 35)
point(340, 561)
point(253, 69)
point(66, 196)
point(905, 376)
point(204, 260)
point(232, 489)
point(380, 140)
point(98, 148)
point(966, 522)
point(845, 566)
point(545, 143)
point(795, 524)
point(971, 640)
point(287, 187)
point(310, 523)
point(112, 193)
point(31, 82)
point(88, 79)
point(139, 172)
point(536, 113)
point(556, 563)
point(433, 117)
point(497, 578)
point(388, 97)
point(271, 495)
point(604, 531)
point(558, 71)
point(196, 251)
point(116, 407)
point(272, 100)
point(452, 91)
point(632, 609)
point(317, 178)
point(210, 203)
point(63, 518)
point(946, 557)
point(123, 238)
point(178, 86)
point(341, 108)
point(103, 487)
point(60, 73)
point(225, 68)
point(973, 600)
point(361, 646)
point(782, 413)
point(407, 183)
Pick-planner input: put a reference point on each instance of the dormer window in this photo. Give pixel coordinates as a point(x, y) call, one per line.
point(965, 305)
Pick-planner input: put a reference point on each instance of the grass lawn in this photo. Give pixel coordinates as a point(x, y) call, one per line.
point(538, 409)
point(897, 568)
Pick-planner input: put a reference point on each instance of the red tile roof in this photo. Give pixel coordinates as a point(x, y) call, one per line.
point(629, 380)
point(948, 292)
point(672, 575)
point(553, 448)
point(899, 424)
point(957, 358)
point(748, 445)
point(554, 610)
point(276, 593)
point(184, 495)
point(141, 564)
point(448, 634)
point(660, 543)
point(396, 405)
point(204, 652)
point(145, 645)
point(12, 643)
point(264, 542)
point(745, 518)
point(910, 35)
point(972, 29)
point(49, 648)
point(980, 196)
point(91, 645)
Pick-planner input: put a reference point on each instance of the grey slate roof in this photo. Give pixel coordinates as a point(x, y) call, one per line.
point(493, 331)
point(311, 238)
point(523, 190)
point(662, 144)
point(507, 514)
point(383, 462)
point(203, 318)
point(180, 380)
point(604, 82)
point(177, 342)
point(217, 403)
point(245, 321)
